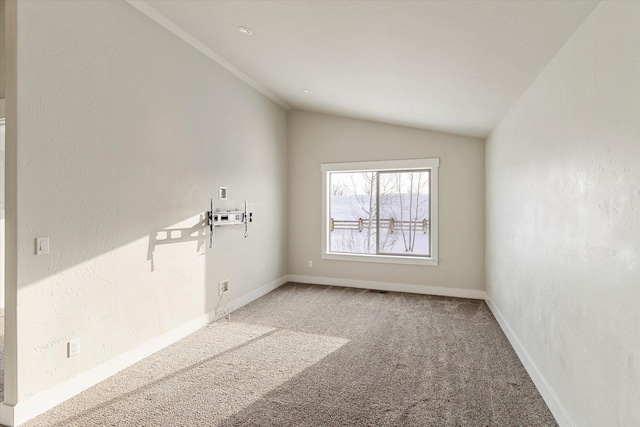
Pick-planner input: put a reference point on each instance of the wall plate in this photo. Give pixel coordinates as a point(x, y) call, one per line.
point(222, 193)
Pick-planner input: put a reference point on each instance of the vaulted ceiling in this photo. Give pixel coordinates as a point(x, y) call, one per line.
point(453, 66)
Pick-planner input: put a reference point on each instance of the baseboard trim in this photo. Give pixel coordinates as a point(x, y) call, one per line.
point(13, 416)
point(555, 406)
point(389, 286)
point(254, 295)
point(551, 399)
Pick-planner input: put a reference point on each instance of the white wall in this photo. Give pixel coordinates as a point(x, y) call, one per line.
point(2, 116)
point(317, 138)
point(2, 129)
point(123, 130)
point(563, 210)
point(2, 53)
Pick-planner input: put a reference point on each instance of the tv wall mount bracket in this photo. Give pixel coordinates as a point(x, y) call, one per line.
point(218, 218)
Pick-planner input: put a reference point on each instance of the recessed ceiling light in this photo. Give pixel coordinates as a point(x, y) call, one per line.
point(306, 91)
point(245, 30)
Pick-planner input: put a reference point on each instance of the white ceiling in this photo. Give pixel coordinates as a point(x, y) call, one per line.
point(454, 66)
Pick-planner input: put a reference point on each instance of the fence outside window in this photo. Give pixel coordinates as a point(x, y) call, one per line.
point(389, 223)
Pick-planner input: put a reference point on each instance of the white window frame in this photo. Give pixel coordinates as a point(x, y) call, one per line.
point(381, 166)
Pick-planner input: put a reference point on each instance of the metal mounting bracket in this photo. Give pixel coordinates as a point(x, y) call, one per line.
point(218, 218)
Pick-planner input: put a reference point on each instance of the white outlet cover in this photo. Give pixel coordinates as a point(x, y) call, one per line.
point(222, 193)
point(223, 287)
point(73, 347)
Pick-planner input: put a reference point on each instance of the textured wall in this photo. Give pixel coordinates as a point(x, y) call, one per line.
point(2, 156)
point(124, 131)
point(3, 55)
point(3, 65)
point(316, 138)
point(563, 211)
point(2, 127)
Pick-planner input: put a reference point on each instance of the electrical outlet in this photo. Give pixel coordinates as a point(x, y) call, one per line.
point(310, 263)
point(73, 347)
point(222, 193)
point(223, 287)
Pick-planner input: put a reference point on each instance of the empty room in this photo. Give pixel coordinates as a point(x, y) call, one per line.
point(319, 213)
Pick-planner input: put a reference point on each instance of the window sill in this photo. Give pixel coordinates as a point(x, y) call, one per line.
point(381, 259)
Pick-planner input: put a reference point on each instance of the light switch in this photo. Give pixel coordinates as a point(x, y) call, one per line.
point(42, 245)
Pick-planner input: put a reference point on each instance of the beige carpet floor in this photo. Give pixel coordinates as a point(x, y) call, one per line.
point(308, 355)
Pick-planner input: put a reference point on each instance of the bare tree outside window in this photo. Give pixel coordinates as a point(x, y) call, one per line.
point(354, 212)
point(375, 212)
point(408, 208)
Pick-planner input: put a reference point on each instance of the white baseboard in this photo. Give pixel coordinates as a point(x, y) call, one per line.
point(388, 286)
point(13, 416)
point(254, 295)
point(555, 406)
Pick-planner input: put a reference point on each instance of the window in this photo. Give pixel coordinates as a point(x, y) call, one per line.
point(383, 211)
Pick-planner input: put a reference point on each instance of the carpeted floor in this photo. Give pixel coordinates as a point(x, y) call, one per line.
point(308, 355)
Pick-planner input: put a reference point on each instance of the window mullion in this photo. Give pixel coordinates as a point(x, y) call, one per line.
point(430, 210)
point(378, 213)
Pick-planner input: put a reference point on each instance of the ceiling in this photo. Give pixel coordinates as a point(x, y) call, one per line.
point(453, 66)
